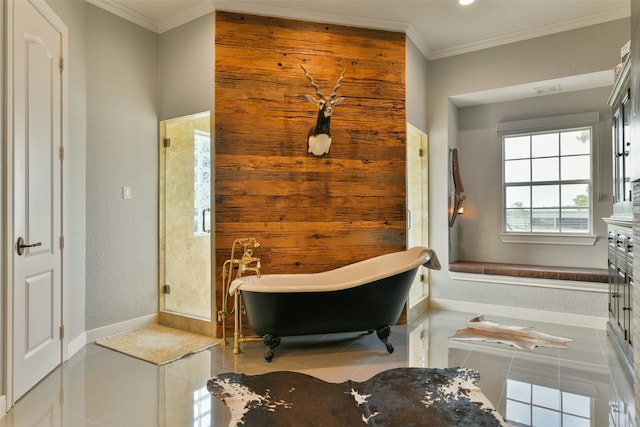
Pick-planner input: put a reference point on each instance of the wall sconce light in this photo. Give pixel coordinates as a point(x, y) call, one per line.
point(458, 196)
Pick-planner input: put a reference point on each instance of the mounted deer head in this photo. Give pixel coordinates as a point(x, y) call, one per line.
point(319, 138)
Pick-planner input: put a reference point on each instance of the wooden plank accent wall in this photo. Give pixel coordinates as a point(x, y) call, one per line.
point(309, 213)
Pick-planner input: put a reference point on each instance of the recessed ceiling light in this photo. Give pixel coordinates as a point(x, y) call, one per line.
point(465, 2)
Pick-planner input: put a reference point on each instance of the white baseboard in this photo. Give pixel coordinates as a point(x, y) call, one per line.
point(76, 345)
point(520, 313)
point(92, 335)
point(118, 328)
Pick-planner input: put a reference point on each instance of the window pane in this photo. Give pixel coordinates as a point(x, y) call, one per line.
point(545, 221)
point(544, 169)
point(575, 142)
point(571, 421)
point(575, 195)
point(518, 412)
point(545, 196)
point(546, 396)
point(518, 220)
point(576, 404)
point(516, 147)
point(575, 220)
point(517, 171)
point(545, 145)
point(201, 182)
point(518, 197)
point(545, 417)
point(518, 390)
point(575, 167)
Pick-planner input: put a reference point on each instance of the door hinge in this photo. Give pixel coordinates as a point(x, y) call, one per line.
point(61, 153)
point(166, 289)
point(420, 152)
point(62, 332)
point(61, 63)
point(167, 142)
point(61, 242)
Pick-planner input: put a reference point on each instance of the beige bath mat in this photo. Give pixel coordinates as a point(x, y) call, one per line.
point(480, 329)
point(158, 344)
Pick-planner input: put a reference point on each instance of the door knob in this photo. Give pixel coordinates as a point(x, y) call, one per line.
point(20, 245)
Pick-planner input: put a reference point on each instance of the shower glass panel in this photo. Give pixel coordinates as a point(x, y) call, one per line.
point(185, 216)
point(417, 206)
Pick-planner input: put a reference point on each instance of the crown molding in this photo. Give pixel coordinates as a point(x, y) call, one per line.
point(545, 30)
point(417, 39)
point(186, 16)
point(126, 13)
point(355, 21)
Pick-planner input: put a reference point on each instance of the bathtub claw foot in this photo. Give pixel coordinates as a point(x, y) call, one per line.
point(383, 334)
point(270, 342)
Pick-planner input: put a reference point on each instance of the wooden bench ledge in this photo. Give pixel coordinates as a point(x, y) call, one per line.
point(579, 274)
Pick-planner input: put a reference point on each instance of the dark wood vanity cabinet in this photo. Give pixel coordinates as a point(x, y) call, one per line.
point(620, 224)
point(620, 261)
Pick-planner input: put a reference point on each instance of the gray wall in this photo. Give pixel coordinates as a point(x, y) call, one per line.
point(122, 150)
point(481, 172)
point(416, 87)
point(186, 69)
point(113, 132)
point(576, 52)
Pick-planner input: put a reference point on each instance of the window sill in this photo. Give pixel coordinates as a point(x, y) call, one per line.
point(550, 239)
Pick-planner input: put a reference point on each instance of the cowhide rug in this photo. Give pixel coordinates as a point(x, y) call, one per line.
point(522, 337)
point(397, 397)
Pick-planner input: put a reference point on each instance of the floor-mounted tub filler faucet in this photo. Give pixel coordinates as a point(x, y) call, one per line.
point(246, 262)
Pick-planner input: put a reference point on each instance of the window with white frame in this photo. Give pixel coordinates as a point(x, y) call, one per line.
point(547, 181)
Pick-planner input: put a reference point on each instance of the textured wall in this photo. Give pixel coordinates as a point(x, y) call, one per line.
point(122, 150)
point(309, 213)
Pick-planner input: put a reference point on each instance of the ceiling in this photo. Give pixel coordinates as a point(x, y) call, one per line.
point(439, 28)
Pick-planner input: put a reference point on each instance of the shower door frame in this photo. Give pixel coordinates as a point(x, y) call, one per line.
point(175, 319)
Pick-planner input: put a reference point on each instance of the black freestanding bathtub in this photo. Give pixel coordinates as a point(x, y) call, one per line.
point(365, 296)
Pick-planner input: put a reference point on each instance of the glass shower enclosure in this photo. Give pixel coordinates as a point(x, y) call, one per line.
point(185, 242)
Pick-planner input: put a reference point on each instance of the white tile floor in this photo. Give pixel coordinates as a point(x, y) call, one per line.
point(544, 387)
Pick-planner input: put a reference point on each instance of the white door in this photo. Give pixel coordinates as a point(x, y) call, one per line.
point(36, 223)
point(417, 206)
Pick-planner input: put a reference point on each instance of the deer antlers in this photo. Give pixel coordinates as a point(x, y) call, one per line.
point(337, 86)
point(317, 86)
